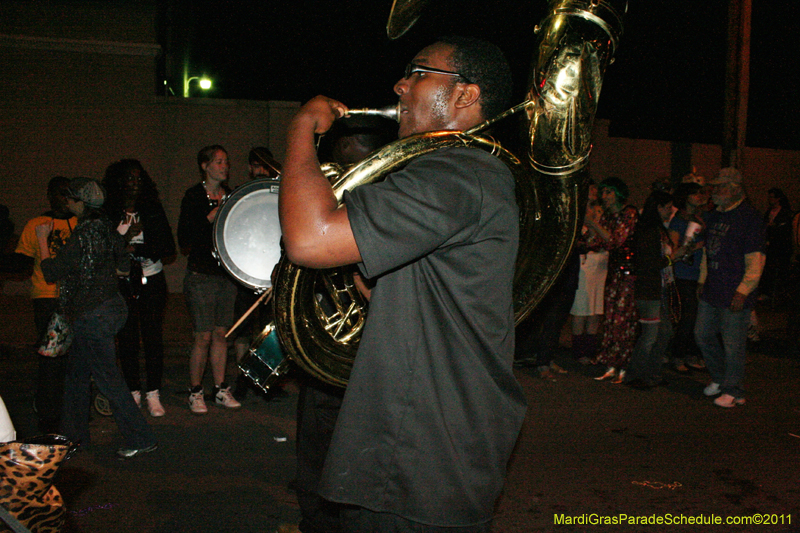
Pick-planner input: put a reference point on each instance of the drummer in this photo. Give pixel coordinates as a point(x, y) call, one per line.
point(261, 165)
point(208, 290)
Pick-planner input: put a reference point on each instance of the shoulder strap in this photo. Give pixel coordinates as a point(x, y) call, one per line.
point(15, 525)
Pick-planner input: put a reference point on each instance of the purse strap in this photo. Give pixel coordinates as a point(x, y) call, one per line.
point(12, 522)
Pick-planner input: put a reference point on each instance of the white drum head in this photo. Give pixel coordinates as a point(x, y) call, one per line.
point(247, 233)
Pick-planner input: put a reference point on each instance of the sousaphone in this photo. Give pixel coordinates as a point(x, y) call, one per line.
point(319, 314)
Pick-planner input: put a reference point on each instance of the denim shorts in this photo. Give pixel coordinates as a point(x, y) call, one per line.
point(210, 300)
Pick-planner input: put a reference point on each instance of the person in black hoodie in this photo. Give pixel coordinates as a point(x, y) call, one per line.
point(136, 212)
point(778, 242)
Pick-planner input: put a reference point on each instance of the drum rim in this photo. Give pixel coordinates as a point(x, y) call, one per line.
point(221, 252)
point(257, 371)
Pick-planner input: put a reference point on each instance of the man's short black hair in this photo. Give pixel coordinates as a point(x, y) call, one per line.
point(258, 155)
point(682, 193)
point(485, 65)
point(57, 185)
point(370, 132)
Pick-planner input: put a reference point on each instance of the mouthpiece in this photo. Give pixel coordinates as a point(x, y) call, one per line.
point(388, 112)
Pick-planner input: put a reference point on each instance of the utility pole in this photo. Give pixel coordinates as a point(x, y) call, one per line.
point(737, 83)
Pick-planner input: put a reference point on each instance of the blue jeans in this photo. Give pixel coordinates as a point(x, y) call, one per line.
point(653, 342)
point(725, 360)
point(92, 355)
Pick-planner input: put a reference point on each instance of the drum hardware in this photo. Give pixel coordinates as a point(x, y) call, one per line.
point(247, 245)
point(268, 162)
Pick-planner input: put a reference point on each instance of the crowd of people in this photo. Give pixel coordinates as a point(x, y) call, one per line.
point(103, 255)
point(675, 282)
point(421, 438)
point(97, 257)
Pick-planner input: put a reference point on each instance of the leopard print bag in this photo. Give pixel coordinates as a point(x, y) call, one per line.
point(27, 470)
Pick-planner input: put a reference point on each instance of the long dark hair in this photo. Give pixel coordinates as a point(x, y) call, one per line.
point(682, 193)
point(114, 183)
point(782, 199)
point(650, 217)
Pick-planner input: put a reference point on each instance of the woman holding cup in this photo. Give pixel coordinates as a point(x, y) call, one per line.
point(687, 229)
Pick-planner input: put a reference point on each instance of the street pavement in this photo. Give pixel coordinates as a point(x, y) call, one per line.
point(589, 451)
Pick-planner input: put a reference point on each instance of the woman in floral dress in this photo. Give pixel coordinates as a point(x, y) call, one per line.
point(614, 232)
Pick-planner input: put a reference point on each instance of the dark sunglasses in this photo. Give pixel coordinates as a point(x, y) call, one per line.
point(412, 69)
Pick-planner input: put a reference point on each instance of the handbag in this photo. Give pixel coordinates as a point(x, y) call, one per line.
point(131, 286)
point(58, 337)
point(26, 483)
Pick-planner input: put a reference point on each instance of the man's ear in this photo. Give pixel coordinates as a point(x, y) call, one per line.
point(468, 94)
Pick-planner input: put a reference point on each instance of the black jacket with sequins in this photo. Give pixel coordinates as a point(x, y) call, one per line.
point(86, 267)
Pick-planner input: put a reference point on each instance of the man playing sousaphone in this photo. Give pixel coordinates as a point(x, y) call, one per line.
point(432, 409)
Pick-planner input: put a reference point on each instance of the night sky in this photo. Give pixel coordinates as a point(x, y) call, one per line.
point(667, 81)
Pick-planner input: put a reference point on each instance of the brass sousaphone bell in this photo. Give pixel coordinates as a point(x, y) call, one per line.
point(403, 15)
point(319, 314)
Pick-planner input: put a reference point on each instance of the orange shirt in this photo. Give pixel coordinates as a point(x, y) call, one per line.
point(29, 245)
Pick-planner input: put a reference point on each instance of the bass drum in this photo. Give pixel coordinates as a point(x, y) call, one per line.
point(247, 233)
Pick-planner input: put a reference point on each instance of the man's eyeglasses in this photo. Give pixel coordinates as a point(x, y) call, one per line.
point(412, 69)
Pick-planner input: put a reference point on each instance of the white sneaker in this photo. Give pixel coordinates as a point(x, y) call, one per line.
point(728, 401)
point(223, 397)
point(611, 373)
point(154, 404)
point(137, 397)
point(712, 390)
point(197, 403)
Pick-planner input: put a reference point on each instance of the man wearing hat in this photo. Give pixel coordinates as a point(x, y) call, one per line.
point(86, 269)
point(733, 259)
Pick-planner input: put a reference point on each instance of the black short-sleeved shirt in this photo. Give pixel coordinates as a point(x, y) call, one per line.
point(432, 409)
